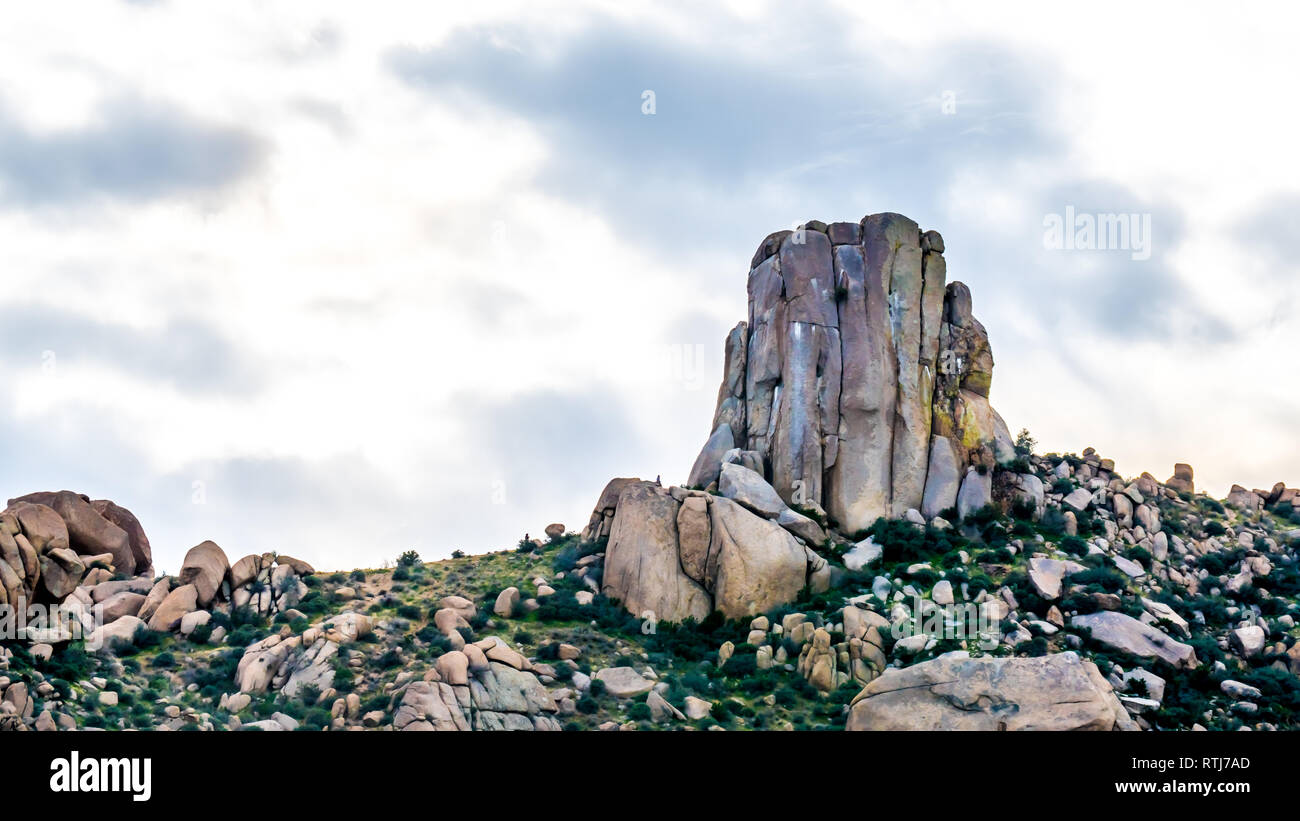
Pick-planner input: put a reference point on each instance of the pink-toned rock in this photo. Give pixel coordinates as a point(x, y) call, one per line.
point(205, 567)
point(180, 601)
point(126, 520)
point(88, 531)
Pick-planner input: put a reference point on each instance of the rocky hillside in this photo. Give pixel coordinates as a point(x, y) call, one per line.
point(861, 545)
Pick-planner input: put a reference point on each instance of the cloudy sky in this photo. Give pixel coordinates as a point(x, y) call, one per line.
point(342, 280)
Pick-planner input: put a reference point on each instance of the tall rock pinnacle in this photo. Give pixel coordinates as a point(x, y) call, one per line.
point(856, 388)
point(859, 383)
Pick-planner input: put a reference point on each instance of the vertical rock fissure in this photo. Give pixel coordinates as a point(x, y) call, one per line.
point(856, 359)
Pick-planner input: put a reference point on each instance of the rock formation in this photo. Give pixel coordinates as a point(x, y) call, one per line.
point(51, 543)
point(476, 692)
point(860, 380)
point(956, 692)
point(856, 388)
point(675, 554)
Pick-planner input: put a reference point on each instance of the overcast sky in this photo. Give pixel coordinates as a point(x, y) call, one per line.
point(342, 279)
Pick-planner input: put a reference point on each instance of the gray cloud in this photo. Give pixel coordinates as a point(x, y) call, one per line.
point(839, 131)
point(1270, 231)
point(187, 353)
point(834, 127)
point(547, 445)
point(325, 112)
point(1092, 292)
point(135, 151)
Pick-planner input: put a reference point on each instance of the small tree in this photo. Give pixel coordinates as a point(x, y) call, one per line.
point(1025, 443)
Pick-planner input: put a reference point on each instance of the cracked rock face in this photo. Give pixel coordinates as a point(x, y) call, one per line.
point(497, 696)
point(857, 387)
point(53, 542)
point(860, 379)
point(956, 692)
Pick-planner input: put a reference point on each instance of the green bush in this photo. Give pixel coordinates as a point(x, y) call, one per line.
point(903, 542)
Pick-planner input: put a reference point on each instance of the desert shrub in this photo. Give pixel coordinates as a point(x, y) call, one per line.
point(925, 577)
point(1101, 579)
point(744, 662)
point(901, 541)
point(315, 603)
point(1215, 528)
point(72, 663)
point(998, 555)
point(1052, 522)
point(1074, 545)
point(1186, 698)
point(1212, 505)
point(1024, 592)
point(244, 635)
point(1283, 580)
point(1224, 561)
point(317, 718)
point(1139, 554)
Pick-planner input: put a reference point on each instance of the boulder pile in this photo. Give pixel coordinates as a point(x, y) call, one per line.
point(52, 543)
point(92, 558)
point(675, 554)
point(486, 686)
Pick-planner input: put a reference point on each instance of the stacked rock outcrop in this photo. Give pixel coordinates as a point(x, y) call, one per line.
point(53, 542)
point(856, 388)
point(485, 686)
point(860, 381)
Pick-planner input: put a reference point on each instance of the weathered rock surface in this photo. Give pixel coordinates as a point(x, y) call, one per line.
point(496, 697)
point(136, 538)
point(1123, 632)
point(206, 567)
point(860, 377)
point(181, 600)
point(857, 387)
point(51, 543)
point(955, 692)
point(623, 682)
point(671, 560)
point(642, 565)
point(89, 532)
